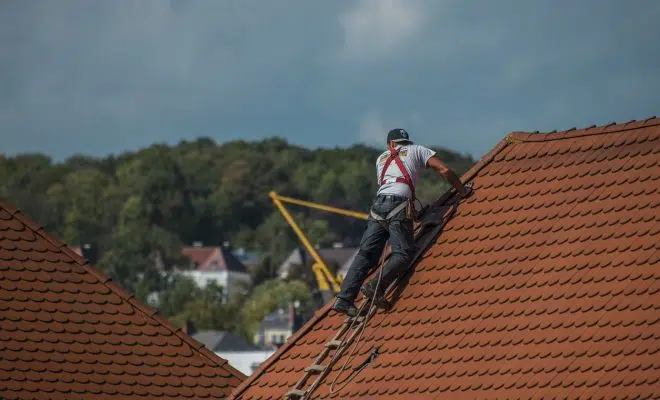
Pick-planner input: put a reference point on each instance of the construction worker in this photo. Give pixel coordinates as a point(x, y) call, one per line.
point(391, 216)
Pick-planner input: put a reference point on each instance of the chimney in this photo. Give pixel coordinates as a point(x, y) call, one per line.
point(189, 328)
point(89, 252)
point(292, 318)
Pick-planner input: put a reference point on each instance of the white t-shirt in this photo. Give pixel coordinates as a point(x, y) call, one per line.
point(414, 158)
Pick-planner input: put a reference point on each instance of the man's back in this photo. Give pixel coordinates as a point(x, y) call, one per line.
point(413, 157)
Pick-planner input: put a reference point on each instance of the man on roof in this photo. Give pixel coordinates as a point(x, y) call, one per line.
point(391, 216)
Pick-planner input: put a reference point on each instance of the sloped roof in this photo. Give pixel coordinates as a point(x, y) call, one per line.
point(66, 331)
point(198, 255)
point(217, 258)
point(217, 341)
point(543, 284)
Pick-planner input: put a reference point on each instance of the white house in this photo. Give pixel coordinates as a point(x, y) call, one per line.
point(215, 264)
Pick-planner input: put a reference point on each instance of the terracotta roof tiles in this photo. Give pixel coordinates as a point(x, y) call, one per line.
point(218, 258)
point(542, 284)
point(66, 331)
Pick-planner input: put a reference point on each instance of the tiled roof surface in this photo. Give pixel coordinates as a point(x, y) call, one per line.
point(543, 284)
point(66, 331)
point(198, 255)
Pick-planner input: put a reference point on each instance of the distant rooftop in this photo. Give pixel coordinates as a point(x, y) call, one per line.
point(213, 258)
point(218, 341)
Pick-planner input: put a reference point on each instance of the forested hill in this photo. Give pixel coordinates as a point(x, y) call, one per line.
point(162, 197)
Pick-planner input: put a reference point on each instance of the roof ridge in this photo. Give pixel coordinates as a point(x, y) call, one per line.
point(570, 133)
point(228, 257)
point(148, 311)
point(468, 175)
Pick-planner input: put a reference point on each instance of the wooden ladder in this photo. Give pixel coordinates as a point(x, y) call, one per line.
point(427, 232)
point(337, 345)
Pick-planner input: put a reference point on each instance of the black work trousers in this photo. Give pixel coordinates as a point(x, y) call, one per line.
point(399, 231)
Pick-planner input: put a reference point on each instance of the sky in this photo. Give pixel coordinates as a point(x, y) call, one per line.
point(102, 77)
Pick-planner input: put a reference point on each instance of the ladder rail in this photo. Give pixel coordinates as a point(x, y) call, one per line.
point(426, 233)
point(339, 350)
point(358, 331)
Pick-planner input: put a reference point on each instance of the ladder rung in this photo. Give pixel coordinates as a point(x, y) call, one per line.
point(333, 344)
point(315, 368)
point(358, 318)
point(295, 393)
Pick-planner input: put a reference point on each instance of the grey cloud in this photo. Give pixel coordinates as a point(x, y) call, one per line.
point(480, 69)
point(99, 77)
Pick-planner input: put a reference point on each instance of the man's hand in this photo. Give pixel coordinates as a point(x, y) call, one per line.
point(450, 176)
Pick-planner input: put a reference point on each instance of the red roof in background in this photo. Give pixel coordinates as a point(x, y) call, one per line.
point(216, 258)
point(198, 255)
point(543, 284)
point(66, 331)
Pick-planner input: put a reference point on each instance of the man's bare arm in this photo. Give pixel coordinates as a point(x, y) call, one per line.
point(448, 174)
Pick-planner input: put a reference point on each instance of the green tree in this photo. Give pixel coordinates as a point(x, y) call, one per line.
point(142, 206)
point(271, 295)
point(207, 310)
point(86, 211)
point(178, 291)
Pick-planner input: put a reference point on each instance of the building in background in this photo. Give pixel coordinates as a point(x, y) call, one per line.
point(215, 264)
point(248, 258)
point(240, 354)
point(278, 326)
point(335, 257)
point(223, 341)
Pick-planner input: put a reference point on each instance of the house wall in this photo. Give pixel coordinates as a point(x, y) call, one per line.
point(229, 280)
point(203, 278)
point(273, 337)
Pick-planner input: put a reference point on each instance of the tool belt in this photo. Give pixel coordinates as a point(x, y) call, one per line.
point(407, 205)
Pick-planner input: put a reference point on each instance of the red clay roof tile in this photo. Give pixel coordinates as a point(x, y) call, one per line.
point(66, 331)
point(542, 284)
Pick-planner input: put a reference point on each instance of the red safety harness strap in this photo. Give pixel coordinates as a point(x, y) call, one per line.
point(394, 155)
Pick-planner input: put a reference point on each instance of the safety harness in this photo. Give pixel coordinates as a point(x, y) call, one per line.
point(394, 156)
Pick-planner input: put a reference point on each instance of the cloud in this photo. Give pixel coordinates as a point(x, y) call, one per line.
point(372, 128)
point(103, 77)
point(374, 29)
point(109, 76)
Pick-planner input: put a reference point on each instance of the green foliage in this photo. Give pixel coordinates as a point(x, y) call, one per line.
point(180, 291)
point(271, 295)
point(139, 208)
point(206, 309)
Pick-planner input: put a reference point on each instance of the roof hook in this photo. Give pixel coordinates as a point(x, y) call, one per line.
point(372, 357)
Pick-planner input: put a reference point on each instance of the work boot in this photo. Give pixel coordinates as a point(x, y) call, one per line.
point(369, 292)
point(344, 307)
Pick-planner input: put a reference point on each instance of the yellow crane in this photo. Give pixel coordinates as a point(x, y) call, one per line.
point(326, 280)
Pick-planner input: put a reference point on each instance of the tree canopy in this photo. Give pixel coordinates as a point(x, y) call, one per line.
point(139, 208)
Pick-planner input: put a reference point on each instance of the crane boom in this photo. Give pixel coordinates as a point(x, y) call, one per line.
point(326, 280)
